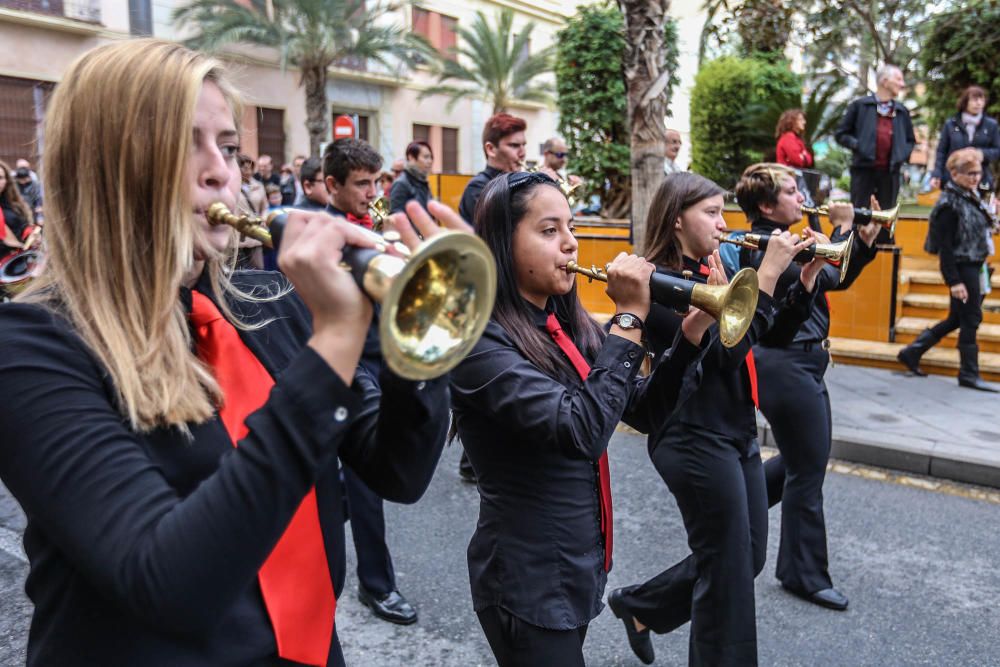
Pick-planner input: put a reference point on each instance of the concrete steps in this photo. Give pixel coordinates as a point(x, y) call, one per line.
point(935, 306)
point(908, 328)
point(940, 360)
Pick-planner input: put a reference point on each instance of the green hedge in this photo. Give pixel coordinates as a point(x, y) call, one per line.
point(735, 105)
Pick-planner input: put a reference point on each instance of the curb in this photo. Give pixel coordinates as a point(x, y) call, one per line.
point(910, 454)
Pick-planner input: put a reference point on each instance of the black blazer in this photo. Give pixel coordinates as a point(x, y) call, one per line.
point(856, 131)
point(144, 547)
point(534, 442)
point(954, 137)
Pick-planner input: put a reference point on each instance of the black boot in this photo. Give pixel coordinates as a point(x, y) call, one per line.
point(968, 371)
point(910, 355)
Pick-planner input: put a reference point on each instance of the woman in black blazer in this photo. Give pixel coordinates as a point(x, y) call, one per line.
point(969, 128)
point(171, 427)
point(707, 450)
point(535, 404)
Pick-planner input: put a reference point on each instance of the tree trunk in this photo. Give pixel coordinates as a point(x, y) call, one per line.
point(646, 79)
point(317, 123)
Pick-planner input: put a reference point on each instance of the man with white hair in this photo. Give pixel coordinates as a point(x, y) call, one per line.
point(878, 131)
point(673, 149)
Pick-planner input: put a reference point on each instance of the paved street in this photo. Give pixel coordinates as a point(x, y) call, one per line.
point(919, 566)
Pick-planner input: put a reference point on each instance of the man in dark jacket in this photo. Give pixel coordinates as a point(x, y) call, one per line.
point(878, 131)
point(412, 183)
point(314, 194)
point(504, 144)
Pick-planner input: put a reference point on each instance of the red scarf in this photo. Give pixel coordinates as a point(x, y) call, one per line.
point(603, 470)
point(295, 579)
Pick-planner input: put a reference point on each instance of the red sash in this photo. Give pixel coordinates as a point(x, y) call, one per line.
point(603, 469)
point(751, 366)
point(295, 579)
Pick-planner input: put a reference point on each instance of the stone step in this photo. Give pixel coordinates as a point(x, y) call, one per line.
point(934, 277)
point(908, 328)
point(939, 360)
point(935, 306)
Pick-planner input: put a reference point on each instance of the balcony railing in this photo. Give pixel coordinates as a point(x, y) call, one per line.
point(88, 11)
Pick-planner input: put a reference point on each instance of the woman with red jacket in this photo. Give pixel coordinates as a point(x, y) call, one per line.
point(791, 150)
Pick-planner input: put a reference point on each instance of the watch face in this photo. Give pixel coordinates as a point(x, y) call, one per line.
point(626, 321)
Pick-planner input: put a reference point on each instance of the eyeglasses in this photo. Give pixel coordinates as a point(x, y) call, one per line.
point(516, 179)
point(559, 154)
point(972, 174)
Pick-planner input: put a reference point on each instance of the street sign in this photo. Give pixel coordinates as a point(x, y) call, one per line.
point(343, 128)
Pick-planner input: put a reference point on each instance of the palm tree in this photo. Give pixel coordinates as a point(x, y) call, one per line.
point(496, 66)
point(647, 79)
point(312, 35)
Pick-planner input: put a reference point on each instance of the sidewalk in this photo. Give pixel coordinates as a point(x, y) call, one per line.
point(929, 426)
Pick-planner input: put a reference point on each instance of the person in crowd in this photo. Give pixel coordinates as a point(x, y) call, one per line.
point(266, 173)
point(707, 450)
point(287, 184)
point(535, 404)
point(970, 127)
point(313, 184)
point(959, 234)
point(792, 393)
point(24, 163)
point(297, 177)
point(412, 183)
point(673, 149)
point(554, 157)
point(273, 197)
point(175, 437)
point(16, 218)
point(791, 150)
point(31, 191)
point(253, 196)
point(350, 167)
point(383, 184)
point(504, 144)
point(877, 130)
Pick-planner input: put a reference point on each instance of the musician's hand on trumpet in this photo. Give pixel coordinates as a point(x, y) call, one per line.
point(869, 232)
point(811, 269)
point(428, 223)
point(312, 244)
point(628, 286)
point(696, 321)
point(782, 247)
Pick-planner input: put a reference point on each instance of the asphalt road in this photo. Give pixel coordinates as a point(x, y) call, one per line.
point(920, 567)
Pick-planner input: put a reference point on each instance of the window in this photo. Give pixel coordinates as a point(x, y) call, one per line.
point(438, 29)
point(271, 134)
point(449, 150)
point(140, 17)
point(421, 133)
point(22, 107)
point(42, 6)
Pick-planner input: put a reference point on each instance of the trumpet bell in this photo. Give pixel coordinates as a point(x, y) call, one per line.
point(886, 219)
point(437, 305)
point(732, 305)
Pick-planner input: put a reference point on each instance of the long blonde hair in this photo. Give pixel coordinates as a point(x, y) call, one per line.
point(119, 229)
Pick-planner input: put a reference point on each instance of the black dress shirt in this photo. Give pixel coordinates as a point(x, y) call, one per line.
point(817, 326)
point(144, 547)
point(470, 197)
point(534, 442)
point(716, 395)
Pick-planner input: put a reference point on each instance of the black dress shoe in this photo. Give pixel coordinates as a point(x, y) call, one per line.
point(391, 607)
point(830, 598)
point(640, 642)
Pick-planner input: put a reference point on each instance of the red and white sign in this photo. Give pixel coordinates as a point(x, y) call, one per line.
point(343, 128)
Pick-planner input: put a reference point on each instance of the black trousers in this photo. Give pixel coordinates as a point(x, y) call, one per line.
point(375, 571)
point(794, 399)
point(884, 185)
point(517, 643)
point(721, 491)
point(966, 317)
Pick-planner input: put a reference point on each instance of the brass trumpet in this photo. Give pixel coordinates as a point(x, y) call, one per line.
point(379, 211)
point(435, 303)
point(837, 254)
point(862, 216)
point(731, 305)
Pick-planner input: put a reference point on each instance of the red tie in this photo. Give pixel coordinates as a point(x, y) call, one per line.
point(295, 579)
point(603, 470)
point(751, 366)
